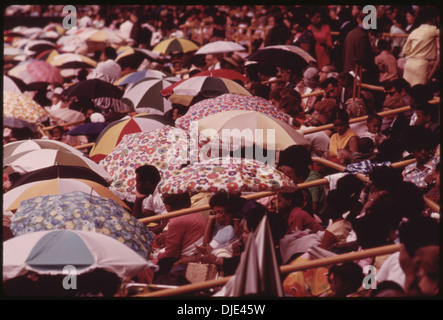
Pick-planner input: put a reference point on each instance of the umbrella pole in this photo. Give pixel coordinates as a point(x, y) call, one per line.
point(355, 82)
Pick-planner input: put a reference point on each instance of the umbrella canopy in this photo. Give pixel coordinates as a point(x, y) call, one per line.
point(132, 57)
point(48, 252)
point(228, 102)
point(220, 47)
point(48, 55)
point(12, 122)
point(13, 198)
point(10, 86)
point(165, 148)
point(16, 147)
point(38, 46)
point(66, 115)
point(227, 174)
point(144, 96)
point(88, 129)
point(72, 61)
point(104, 35)
point(93, 88)
point(183, 45)
point(37, 159)
point(111, 136)
point(256, 128)
point(60, 171)
point(258, 273)
point(23, 107)
point(283, 56)
point(81, 211)
point(139, 75)
point(31, 71)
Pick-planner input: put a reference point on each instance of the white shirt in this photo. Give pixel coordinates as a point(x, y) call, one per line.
point(391, 270)
point(154, 203)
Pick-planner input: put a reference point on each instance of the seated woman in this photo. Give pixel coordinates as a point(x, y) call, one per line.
point(344, 141)
point(220, 227)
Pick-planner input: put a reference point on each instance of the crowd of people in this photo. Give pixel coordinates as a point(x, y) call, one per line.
point(399, 62)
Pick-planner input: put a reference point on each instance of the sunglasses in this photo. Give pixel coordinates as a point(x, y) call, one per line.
point(390, 93)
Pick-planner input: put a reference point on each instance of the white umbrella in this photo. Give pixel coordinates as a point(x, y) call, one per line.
point(10, 86)
point(220, 47)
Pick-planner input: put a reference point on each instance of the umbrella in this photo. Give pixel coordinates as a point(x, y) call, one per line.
point(183, 45)
point(73, 61)
point(256, 128)
point(104, 35)
point(206, 86)
point(88, 129)
point(93, 88)
point(258, 273)
point(12, 122)
point(37, 159)
point(60, 171)
point(13, 198)
point(228, 102)
point(37, 46)
point(23, 107)
point(47, 55)
point(10, 86)
point(165, 148)
point(16, 147)
point(81, 211)
point(66, 115)
point(144, 96)
point(227, 174)
point(220, 73)
point(111, 136)
point(36, 71)
point(220, 47)
point(283, 56)
point(128, 56)
point(139, 75)
point(49, 252)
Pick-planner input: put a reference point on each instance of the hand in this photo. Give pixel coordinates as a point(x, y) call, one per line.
point(201, 249)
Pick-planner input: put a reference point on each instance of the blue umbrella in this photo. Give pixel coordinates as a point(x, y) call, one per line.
point(88, 129)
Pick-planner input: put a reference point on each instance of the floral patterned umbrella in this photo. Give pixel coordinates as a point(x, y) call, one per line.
point(227, 102)
point(226, 174)
point(165, 148)
point(111, 136)
point(22, 106)
point(81, 211)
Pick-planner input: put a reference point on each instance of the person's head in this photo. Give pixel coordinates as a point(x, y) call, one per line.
point(385, 178)
point(147, 178)
point(57, 133)
point(345, 278)
point(383, 45)
point(311, 77)
point(409, 198)
point(356, 108)
point(325, 71)
point(427, 265)
point(221, 207)
point(426, 114)
point(290, 200)
point(178, 111)
point(396, 88)
point(108, 53)
point(210, 60)
point(340, 120)
point(317, 16)
point(386, 289)
point(421, 142)
point(426, 15)
point(177, 201)
point(331, 89)
point(323, 111)
point(374, 122)
point(365, 145)
point(294, 162)
point(290, 104)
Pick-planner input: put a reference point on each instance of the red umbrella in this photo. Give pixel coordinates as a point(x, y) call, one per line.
point(221, 73)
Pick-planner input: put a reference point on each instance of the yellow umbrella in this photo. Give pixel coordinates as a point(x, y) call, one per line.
point(175, 45)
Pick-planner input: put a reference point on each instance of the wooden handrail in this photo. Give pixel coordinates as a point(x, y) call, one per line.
point(84, 146)
point(304, 265)
point(63, 125)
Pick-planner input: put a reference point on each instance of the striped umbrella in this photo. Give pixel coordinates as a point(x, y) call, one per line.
point(145, 96)
point(183, 45)
point(139, 75)
point(111, 136)
point(73, 61)
point(20, 146)
point(48, 55)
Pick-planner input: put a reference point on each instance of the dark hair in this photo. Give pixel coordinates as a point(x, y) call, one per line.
point(340, 114)
point(409, 197)
point(426, 14)
point(390, 150)
point(181, 109)
point(177, 201)
point(387, 285)
point(373, 116)
point(110, 52)
point(417, 137)
point(398, 84)
point(297, 197)
point(385, 178)
point(419, 232)
point(383, 45)
point(148, 173)
point(328, 81)
point(351, 275)
point(295, 154)
point(421, 93)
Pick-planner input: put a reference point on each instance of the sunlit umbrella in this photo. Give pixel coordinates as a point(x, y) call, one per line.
point(47, 55)
point(283, 56)
point(228, 102)
point(66, 115)
point(165, 148)
point(220, 47)
point(36, 71)
point(37, 159)
point(49, 252)
point(93, 88)
point(37, 46)
point(10, 86)
point(13, 198)
point(226, 174)
point(175, 45)
point(111, 136)
point(139, 75)
point(129, 56)
point(72, 61)
point(258, 273)
point(23, 107)
point(144, 96)
point(251, 128)
point(20, 146)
